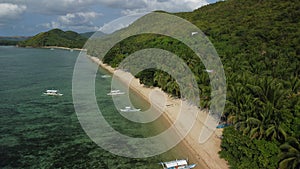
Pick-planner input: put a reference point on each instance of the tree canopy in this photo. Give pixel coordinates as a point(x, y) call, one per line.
point(55, 37)
point(258, 43)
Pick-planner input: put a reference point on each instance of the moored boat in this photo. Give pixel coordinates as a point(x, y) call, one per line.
point(177, 164)
point(52, 93)
point(129, 109)
point(115, 92)
point(105, 76)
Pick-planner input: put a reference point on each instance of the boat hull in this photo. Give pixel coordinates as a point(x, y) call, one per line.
point(130, 110)
point(53, 94)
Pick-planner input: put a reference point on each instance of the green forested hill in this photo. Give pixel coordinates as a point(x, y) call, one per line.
point(258, 42)
point(253, 28)
point(56, 37)
point(94, 34)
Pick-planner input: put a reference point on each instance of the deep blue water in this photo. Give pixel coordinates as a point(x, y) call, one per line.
point(38, 131)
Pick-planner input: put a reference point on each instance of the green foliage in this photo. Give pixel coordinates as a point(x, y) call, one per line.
point(55, 37)
point(8, 42)
point(147, 77)
point(156, 77)
point(290, 154)
point(242, 152)
point(94, 34)
point(258, 43)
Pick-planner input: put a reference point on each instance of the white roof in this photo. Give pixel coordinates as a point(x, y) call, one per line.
point(51, 91)
point(175, 163)
point(209, 71)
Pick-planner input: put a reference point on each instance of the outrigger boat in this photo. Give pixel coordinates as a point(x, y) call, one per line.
point(129, 109)
point(105, 76)
point(52, 93)
point(115, 92)
point(177, 164)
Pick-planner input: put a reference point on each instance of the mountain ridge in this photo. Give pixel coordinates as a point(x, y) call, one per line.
point(55, 37)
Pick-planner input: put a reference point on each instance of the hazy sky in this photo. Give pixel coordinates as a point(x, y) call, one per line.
point(28, 17)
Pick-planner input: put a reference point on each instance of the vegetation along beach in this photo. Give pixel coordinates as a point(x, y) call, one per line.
point(257, 42)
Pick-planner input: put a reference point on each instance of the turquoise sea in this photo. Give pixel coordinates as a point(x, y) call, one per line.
point(39, 131)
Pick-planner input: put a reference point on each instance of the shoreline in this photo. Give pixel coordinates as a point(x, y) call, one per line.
point(64, 48)
point(51, 47)
point(204, 155)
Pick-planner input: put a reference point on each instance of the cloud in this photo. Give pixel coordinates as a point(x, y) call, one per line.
point(67, 6)
point(74, 21)
point(167, 5)
point(120, 23)
point(124, 4)
point(83, 14)
point(63, 7)
point(55, 7)
point(131, 14)
point(77, 19)
point(9, 11)
point(150, 5)
point(50, 25)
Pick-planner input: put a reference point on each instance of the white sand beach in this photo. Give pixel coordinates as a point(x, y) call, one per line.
point(206, 154)
point(64, 48)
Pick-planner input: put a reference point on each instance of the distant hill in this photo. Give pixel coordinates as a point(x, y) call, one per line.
point(94, 34)
point(87, 34)
point(55, 37)
point(12, 40)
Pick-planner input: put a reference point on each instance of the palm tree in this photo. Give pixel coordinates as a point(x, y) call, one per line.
point(294, 85)
point(271, 107)
point(172, 88)
point(255, 128)
point(266, 90)
point(161, 78)
point(276, 132)
point(204, 96)
point(290, 154)
point(239, 104)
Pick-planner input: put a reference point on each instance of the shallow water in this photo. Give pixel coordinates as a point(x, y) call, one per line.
point(43, 132)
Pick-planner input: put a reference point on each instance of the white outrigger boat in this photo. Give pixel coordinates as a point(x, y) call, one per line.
point(105, 76)
point(177, 164)
point(52, 93)
point(115, 92)
point(129, 109)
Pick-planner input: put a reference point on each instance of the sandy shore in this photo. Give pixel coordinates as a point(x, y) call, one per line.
point(204, 155)
point(65, 48)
